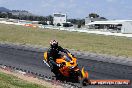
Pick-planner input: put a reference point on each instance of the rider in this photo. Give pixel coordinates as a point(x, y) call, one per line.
point(53, 53)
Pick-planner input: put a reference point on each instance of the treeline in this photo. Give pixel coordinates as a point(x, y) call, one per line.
point(26, 17)
point(78, 22)
point(42, 19)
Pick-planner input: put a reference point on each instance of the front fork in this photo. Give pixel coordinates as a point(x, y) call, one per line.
point(46, 63)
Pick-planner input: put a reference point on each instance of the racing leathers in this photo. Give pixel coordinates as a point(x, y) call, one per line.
point(53, 54)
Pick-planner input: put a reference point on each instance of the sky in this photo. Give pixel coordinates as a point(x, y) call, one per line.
point(110, 9)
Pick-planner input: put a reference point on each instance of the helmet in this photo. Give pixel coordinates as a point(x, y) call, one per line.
point(53, 44)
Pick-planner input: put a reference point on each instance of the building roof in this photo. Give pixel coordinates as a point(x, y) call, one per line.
point(109, 22)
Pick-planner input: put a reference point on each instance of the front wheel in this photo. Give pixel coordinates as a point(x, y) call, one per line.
point(85, 82)
point(76, 76)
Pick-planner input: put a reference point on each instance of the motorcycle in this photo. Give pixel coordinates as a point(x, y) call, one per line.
point(69, 68)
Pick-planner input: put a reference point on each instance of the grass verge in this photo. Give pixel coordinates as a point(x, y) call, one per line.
point(118, 46)
point(10, 81)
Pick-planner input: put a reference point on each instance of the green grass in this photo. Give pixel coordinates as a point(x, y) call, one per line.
point(118, 46)
point(9, 81)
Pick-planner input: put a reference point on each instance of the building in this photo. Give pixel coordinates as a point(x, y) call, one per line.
point(122, 26)
point(59, 18)
point(89, 20)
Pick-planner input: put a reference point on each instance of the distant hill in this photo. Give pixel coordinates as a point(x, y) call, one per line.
point(3, 9)
point(16, 12)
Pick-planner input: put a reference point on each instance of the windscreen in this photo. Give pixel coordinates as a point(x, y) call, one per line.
point(67, 58)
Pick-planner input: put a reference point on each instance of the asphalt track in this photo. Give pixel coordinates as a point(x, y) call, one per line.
point(32, 61)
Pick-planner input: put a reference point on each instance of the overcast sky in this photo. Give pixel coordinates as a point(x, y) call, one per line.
point(111, 9)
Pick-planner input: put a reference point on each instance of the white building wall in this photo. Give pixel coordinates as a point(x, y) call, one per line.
point(126, 27)
point(59, 18)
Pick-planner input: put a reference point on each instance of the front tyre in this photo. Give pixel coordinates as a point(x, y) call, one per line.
point(76, 76)
point(85, 82)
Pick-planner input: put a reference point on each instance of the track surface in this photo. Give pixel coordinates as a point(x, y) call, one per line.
point(32, 61)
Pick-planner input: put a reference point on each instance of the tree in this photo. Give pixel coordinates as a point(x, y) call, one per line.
point(93, 15)
point(67, 25)
point(43, 22)
point(50, 18)
point(73, 21)
point(9, 15)
point(3, 15)
point(79, 26)
point(102, 18)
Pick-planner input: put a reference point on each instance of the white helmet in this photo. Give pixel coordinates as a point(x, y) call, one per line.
point(53, 43)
